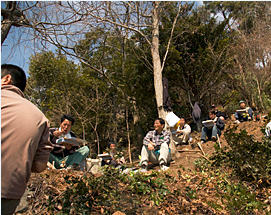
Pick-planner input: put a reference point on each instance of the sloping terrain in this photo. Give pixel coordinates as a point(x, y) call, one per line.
point(191, 190)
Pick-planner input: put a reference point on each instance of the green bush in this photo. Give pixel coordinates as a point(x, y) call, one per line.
point(109, 191)
point(249, 158)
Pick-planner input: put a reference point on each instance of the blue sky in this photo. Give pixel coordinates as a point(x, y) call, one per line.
point(19, 54)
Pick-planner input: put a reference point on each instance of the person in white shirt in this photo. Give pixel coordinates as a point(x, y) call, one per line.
point(182, 135)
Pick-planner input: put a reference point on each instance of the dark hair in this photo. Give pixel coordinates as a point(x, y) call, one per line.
point(17, 75)
point(212, 111)
point(182, 117)
point(112, 142)
point(68, 117)
point(162, 122)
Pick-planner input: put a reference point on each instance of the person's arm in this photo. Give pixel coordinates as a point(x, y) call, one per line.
point(148, 140)
point(187, 128)
point(166, 137)
point(43, 150)
point(38, 166)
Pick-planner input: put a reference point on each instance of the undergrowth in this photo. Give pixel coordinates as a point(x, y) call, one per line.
point(238, 177)
point(111, 191)
point(241, 172)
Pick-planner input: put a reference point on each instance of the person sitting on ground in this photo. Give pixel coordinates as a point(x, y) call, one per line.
point(115, 161)
point(156, 146)
point(212, 132)
point(65, 152)
point(182, 135)
point(240, 117)
point(25, 144)
point(218, 113)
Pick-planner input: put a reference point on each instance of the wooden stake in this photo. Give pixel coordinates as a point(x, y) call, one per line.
point(194, 150)
point(218, 140)
point(199, 144)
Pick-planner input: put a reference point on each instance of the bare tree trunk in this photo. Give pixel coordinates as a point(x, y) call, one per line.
point(12, 16)
point(7, 15)
point(128, 134)
point(157, 68)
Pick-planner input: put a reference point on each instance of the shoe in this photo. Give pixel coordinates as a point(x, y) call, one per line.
point(172, 161)
point(213, 138)
point(163, 166)
point(236, 121)
point(144, 167)
point(185, 143)
point(73, 167)
point(249, 118)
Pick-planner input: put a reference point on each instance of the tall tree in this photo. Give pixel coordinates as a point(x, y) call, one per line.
point(247, 22)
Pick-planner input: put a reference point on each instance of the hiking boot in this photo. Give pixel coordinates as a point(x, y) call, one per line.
point(172, 161)
point(185, 143)
point(75, 167)
point(213, 138)
point(144, 167)
point(163, 166)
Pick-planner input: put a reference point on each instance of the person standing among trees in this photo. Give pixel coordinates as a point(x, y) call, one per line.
point(65, 152)
point(196, 114)
point(25, 143)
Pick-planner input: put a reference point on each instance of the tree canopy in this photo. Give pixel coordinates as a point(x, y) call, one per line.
point(110, 58)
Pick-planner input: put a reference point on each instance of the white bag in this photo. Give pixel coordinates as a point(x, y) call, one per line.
point(172, 119)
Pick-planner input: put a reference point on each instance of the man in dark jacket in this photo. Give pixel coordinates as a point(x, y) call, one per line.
point(213, 131)
point(196, 114)
point(65, 152)
point(218, 113)
point(166, 97)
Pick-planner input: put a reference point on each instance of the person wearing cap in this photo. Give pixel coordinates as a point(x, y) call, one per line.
point(182, 135)
point(240, 117)
point(218, 113)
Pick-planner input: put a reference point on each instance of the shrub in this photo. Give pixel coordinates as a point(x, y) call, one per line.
point(250, 159)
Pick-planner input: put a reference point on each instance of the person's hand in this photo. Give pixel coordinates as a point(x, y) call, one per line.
point(122, 160)
point(57, 133)
point(180, 131)
point(50, 165)
point(67, 145)
point(151, 145)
